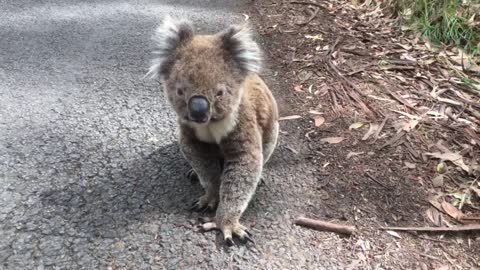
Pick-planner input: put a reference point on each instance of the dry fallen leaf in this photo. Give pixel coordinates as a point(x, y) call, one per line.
point(314, 37)
point(437, 181)
point(394, 234)
point(410, 125)
point(476, 191)
point(452, 210)
point(352, 154)
point(434, 216)
point(298, 88)
point(319, 120)
point(315, 112)
point(373, 128)
point(455, 158)
point(410, 165)
point(290, 117)
point(356, 125)
point(405, 46)
point(443, 267)
point(332, 140)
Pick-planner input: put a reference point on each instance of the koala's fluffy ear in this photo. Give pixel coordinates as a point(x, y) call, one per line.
point(238, 42)
point(168, 37)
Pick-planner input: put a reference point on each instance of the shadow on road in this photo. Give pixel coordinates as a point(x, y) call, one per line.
point(145, 189)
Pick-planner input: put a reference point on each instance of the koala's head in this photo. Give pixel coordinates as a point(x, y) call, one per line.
point(203, 75)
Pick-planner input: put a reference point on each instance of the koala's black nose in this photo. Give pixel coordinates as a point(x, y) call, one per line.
point(198, 108)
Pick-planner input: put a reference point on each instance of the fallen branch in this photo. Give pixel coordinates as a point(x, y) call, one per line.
point(475, 227)
point(324, 226)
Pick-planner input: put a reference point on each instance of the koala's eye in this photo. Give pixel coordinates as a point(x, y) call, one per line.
point(180, 91)
point(220, 93)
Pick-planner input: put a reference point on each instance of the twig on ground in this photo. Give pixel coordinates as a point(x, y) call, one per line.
point(320, 225)
point(401, 62)
point(394, 139)
point(380, 128)
point(306, 3)
point(358, 52)
point(429, 256)
point(396, 67)
point(364, 68)
point(357, 93)
point(314, 14)
point(432, 239)
point(334, 101)
point(375, 180)
point(465, 228)
point(396, 96)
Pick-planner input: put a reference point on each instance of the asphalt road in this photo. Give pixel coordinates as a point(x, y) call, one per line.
point(90, 174)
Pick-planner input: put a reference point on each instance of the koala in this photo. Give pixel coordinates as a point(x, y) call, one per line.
point(227, 116)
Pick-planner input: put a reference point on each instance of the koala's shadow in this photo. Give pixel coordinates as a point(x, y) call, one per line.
point(127, 194)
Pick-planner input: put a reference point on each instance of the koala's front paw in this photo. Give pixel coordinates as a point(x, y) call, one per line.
point(229, 230)
point(205, 203)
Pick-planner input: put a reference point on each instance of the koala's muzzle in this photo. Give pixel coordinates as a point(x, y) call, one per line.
point(198, 108)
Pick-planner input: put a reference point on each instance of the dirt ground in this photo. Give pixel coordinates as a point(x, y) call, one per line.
point(385, 180)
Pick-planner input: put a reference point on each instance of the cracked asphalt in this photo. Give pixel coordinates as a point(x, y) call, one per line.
point(90, 172)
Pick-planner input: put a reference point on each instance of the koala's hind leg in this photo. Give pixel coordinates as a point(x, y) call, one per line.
point(270, 143)
point(205, 160)
point(269, 146)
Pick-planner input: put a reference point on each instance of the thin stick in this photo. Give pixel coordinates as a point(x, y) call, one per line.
point(306, 3)
point(474, 227)
point(324, 226)
point(314, 14)
point(375, 180)
point(380, 128)
point(432, 239)
point(357, 94)
point(429, 256)
point(397, 67)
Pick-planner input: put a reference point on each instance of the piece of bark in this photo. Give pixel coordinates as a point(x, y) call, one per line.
point(320, 225)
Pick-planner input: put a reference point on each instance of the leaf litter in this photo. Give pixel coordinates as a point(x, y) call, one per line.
point(411, 93)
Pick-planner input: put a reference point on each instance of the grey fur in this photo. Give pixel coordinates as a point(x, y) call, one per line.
point(168, 36)
point(239, 41)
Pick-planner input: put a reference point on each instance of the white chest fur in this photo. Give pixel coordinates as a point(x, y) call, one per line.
point(214, 132)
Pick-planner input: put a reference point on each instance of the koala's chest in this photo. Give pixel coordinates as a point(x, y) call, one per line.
point(204, 134)
point(214, 132)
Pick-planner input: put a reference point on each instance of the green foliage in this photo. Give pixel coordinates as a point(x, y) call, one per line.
point(449, 22)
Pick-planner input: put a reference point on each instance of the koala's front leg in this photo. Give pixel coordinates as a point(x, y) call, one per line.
point(241, 175)
point(205, 161)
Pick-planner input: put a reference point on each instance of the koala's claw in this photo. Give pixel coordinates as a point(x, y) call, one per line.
point(191, 175)
point(204, 204)
point(194, 206)
point(198, 208)
point(247, 238)
point(229, 231)
point(229, 242)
